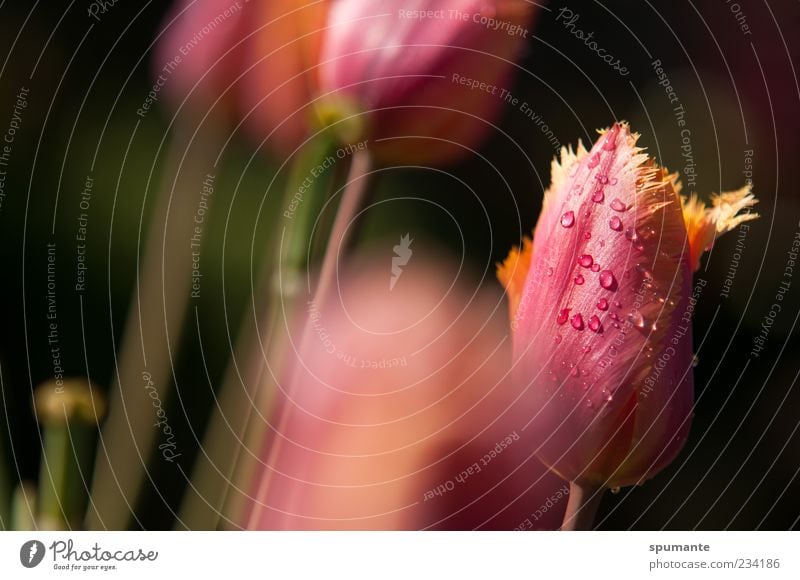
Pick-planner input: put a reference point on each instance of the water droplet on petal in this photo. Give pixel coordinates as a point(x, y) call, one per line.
point(586, 260)
point(586, 348)
point(598, 196)
point(595, 267)
point(557, 339)
point(577, 322)
point(579, 280)
point(549, 271)
point(617, 303)
point(610, 142)
point(602, 304)
point(593, 161)
point(630, 234)
point(568, 219)
point(594, 323)
point(636, 319)
point(574, 372)
point(617, 205)
point(563, 316)
point(601, 178)
point(607, 279)
point(587, 235)
point(615, 224)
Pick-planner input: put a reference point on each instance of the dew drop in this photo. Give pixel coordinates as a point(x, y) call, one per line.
point(630, 233)
point(617, 205)
point(636, 319)
point(607, 279)
point(594, 323)
point(563, 316)
point(598, 196)
point(617, 303)
point(602, 179)
point(615, 224)
point(574, 372)
point(586, 348)
point(594, 160)
point(587, 235)
point(577, 322)
point(579, 280)
point(602, 304)
point(568, 219)
point(557, 338)
point(549, 271)
point(595, 267)
point(610, 142)
point(586, 261)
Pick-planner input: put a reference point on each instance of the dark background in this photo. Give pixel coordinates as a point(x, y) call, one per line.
point(739, 468)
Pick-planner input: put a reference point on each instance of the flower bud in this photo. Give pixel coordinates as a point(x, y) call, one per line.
point(602, 303)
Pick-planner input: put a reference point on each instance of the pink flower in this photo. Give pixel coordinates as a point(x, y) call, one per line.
point(602, 314)
point(253, 60)
point(402, 417)
point(415, 69)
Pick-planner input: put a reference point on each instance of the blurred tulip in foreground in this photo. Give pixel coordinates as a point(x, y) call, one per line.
point(428, 74)
point(602, 301)
point(402, 417)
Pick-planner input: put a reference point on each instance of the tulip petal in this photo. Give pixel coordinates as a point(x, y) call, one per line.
point(513, 271)
point(704, 224)
point(594, 421)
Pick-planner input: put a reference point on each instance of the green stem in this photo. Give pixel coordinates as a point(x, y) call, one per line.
point(235, 428)
point(581, 507)
point(352, 201)
point(153, 329)
point(23, 508)
point(69, 413)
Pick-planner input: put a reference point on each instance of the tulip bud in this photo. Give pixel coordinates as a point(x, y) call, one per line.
point(429, 75)
point(255, 60)
point(602, 314)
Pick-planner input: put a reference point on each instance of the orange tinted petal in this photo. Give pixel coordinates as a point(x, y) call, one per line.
point(513, 271)
point(704, 224)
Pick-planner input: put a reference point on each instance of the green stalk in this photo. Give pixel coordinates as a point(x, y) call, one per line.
point(353, 197)
point(582, 507)
point(69, 414)
point(234, 427)
point(23, 508)
point(153, 328)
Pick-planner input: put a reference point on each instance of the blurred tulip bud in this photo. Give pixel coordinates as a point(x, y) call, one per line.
point(402, 417)
point(602, 303)
point(428, 74)
point(256, 60)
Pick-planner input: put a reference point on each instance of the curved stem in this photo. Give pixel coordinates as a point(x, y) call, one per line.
point(352, 200)
point(225, 460)
point(582, 507)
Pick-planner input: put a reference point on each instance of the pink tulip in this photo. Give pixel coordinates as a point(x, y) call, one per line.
point(256, 60)
point(602, 315)
point(402, 417)
point(415, 69)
